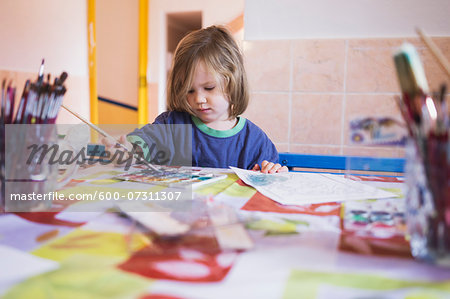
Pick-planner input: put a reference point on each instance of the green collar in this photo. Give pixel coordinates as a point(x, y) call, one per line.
point(217, 133)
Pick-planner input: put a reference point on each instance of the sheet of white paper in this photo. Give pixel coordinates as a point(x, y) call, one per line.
point(161, 223)
point(84, 211)
point(298, 188)
point(17, 265)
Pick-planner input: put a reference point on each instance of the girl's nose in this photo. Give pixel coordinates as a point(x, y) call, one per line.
point(200, 98)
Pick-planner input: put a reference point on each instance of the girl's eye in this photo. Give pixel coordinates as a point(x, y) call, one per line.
point(191, 91)
point(209, 88)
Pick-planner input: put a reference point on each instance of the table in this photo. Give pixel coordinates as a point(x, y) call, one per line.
point(315, 251)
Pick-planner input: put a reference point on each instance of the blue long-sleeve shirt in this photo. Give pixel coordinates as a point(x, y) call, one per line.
point(196, 144)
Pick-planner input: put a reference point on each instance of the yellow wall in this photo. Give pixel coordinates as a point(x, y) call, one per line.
point(113, 114)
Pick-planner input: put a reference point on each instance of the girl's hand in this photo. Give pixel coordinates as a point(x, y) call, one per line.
point(109, 143)
point(270, 167)
point(116, 153)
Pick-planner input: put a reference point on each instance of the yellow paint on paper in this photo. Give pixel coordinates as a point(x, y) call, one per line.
point(396, 191)
point(99, 174)
point(88, 242)
point(104, 182)
point(83, 276)
point(273, 227)
point(306, 284)
point(217, 187)
point(237, 190)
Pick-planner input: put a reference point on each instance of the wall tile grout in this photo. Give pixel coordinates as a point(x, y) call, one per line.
point(344, 99)
point(291, 85)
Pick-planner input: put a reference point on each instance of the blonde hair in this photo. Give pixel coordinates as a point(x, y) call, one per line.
point(216, 47)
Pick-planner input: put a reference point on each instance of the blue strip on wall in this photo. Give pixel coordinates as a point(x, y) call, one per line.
point(342, 162)
point(117, 103)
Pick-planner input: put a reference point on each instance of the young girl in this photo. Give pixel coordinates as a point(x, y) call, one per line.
point(207, 88)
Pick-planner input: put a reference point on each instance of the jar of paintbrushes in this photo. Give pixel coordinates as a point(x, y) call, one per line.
point(427, 160)
point(428, 200)
point(29, 145)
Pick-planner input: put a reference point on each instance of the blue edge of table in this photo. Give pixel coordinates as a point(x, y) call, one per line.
point(353, 163)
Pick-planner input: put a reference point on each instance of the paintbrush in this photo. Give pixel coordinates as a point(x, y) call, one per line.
point(104, 134)
point(435, 51)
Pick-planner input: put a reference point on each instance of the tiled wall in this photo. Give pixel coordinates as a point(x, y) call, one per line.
point(305, 92)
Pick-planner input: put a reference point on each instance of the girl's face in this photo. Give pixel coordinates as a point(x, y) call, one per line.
point(207, 100)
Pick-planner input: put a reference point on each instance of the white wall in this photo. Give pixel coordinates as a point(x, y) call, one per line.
point(34, 29)
point(291, 19)
point(52, 29)
point(213, 12)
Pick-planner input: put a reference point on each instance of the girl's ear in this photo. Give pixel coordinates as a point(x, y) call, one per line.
point(231, 110)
